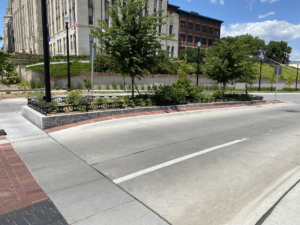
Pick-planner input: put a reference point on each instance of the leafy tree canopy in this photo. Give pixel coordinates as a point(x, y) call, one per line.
point(255, 44)
point(278, 51)
point(192, 55)
point(132, 40)
point(228, 61)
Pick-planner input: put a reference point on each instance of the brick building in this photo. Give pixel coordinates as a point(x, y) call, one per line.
point(194, 28)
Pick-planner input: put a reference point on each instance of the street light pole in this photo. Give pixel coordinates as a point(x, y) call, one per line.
point(67, 20)
point(261, 60)
point(46, 52)
point(199, 45)
point(297, 77)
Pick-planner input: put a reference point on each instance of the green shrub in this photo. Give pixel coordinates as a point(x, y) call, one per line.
point(218, 94)
point(32, 84)
point(148, 87)
point(87, 84)
point(74, 97)
point(107, 87)
point(129, 86)
point(99, 87)
point(143, 87)
point(8, 92)
point(121, 86)
point(115, 86)
point(4, 80)
point(72, 87)
point(12, 80)
point(39, 84)
point(80, 86)
point(63, 87)
point(57, 88)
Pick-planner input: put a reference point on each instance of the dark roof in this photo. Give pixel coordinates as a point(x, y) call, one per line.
point(193, 15)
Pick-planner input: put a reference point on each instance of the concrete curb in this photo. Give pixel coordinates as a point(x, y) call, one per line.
point(46, 122)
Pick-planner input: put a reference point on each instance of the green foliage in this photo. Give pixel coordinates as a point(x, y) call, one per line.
point(255, 46)
point(148, 87)
point(80, 86)
point(58, 70)
point(104, 63)
point(192, 55)
point(278, 51)
point(8, 92)
point(107, 87)
point(227, 60)
point(290, 81)
point(74, 97)
point(121, 86)
point(99, 87)
point(63, 87)
point(87, 84)
point(39, 84)
point(32, 84)
point(115, 86)
point(218, 94)
point(129, 86)
point(143, 87)
point(56, 88)
point(131, 40)
point(72, 86)
point(100, 100)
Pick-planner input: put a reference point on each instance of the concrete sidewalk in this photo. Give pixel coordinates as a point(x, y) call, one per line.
point(81, 194)
point(287, 211)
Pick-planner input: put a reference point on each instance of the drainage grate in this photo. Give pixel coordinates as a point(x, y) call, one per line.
point(292, 111)
point(2, 132)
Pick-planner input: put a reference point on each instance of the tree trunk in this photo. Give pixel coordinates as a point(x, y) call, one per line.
point(124, 82)
point(224, 86)
point(132, 87)
point(246, 88)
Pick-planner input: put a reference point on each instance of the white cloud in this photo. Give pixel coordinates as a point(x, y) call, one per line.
point(189, 0)
point(267, 30)
point(268, 14)
point(222, 2)
point(270, 1)
point(250, 3)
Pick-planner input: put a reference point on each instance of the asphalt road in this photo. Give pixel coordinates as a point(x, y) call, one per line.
point(218, 184)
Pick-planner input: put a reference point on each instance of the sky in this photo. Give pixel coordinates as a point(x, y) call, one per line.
point(277, 20)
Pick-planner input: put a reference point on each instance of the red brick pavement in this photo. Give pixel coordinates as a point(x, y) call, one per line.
point(18, 188)
point(2, 138)
point(152, 113)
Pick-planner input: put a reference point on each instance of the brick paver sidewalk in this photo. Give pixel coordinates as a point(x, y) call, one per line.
point(22, 201)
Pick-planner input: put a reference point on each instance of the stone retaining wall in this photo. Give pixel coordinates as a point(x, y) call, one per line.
point(46, 122)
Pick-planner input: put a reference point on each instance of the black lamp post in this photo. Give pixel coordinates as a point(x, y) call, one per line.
point(67, 20)
point(46, 52)
point(296, 89)
point(199, 45)
point(261, 61)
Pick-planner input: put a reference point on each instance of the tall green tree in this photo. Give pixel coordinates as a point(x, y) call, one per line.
point(290, 81)
point(192, 55)
point(255, 44)
point(272, 81)
point(131, 40)
point(2, 62)
point(228, 61)
point(278, 51)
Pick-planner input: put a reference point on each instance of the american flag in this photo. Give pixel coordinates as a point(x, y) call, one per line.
point(75, 25)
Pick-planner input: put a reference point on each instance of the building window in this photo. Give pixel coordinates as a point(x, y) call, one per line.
point(210, 42)
point(182, 24)
point(91, 16)
point(172, 50)
point(146, 9)
point(171, 29)
point(217, 31)
point(106, 14)
point(168, 49)
point(182, 37)
point(190, 25)
point(197, 27)
point(190, 39)
point(197, 39)
point(203, 41)
point(155, 6)
point(210, 30)
point(160, 4)
point(204, 28)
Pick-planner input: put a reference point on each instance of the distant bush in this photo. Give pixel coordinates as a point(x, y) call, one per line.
point(32, 84)
point(63, 87)
point(8, 92)
point(143, 87)
point(107, 87)
point(72, 87)
point(57, 88)
point(115, 86)
point(80, 86)
point(99, 87)
point(39, 84)
point(121, 86)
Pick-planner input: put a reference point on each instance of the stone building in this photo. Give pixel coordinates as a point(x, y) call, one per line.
point(28, 30)
point(8, 31)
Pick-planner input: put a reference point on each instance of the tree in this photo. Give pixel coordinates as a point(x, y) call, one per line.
point(132, 40)
point(272, 81)
point(255, 44)
point(192, 55)
point(248, 76)
point(278, 51)
point(290, 81)
point(227, 61)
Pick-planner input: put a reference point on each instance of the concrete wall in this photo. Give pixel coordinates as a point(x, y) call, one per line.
point(29, 74)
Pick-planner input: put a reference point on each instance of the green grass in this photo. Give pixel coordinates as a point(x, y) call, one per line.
point(268, 70)
point(58, 70)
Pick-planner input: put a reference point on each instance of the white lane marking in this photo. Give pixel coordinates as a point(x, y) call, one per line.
point(151, 169)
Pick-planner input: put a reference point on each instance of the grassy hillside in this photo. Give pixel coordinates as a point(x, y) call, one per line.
point(58, 70)
point(268, 70)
